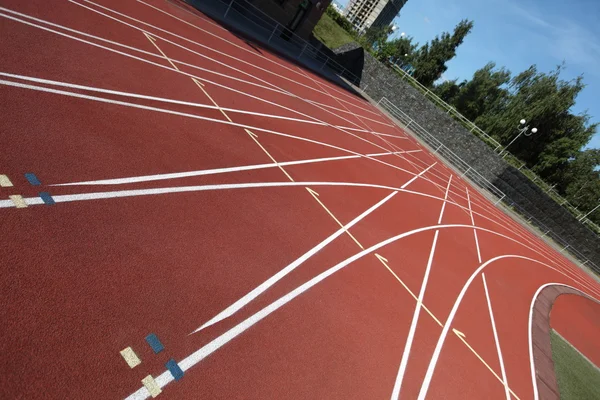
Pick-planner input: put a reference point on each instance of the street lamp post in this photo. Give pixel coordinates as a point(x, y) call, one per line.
point(522, 131)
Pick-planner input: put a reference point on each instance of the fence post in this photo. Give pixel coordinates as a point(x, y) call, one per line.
point(273, 33)
point(464, 173)
point(324, 63)
point(545, 234)
point(500, 199)
point(566, 247)
point(438, 149)
point(343, 70)
point(228, 8)
point(302, 52)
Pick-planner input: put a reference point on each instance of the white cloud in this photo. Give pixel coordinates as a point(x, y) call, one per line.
point(561, 37)
point(427, 20)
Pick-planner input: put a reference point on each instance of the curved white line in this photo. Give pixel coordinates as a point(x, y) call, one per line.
point(272, 87)
point(213, 171)
point(243, 48)
point(178, 102)
point(447, 325)
point(182, 189)
point(165, 378)
point(530, 330)
point(225, 64)
point(254, 293)
point(167, 111)
point(257, 291)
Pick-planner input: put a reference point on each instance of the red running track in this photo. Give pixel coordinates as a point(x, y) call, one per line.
point(321, 249)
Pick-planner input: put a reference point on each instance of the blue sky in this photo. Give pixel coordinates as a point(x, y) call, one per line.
point(517, 34)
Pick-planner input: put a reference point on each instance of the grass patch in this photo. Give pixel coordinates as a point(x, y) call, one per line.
point(578, 379)
point(330, 33)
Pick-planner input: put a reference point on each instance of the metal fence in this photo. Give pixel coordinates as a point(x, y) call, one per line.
point(467, 171)
point(252, 21)
point(267, 29)
point(507, 156)
point(279, 36)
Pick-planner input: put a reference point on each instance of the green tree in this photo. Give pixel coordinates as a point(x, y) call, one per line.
point(580, 181)
point(486, 92)
point(430, 60)
point(545, 101)
point(400, 51)
point(449, 91)
point(375, 37)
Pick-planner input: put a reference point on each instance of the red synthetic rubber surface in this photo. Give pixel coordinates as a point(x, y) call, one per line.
point(96, 273)
point(577, 319)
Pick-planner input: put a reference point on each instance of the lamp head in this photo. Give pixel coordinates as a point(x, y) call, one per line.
point(534, 130)
point(522, 122)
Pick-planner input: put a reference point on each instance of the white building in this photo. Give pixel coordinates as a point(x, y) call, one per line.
point(364, 14)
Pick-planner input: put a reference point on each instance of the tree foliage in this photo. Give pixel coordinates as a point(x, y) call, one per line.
point(398, 51)
point(430, 60)
point(340, 20)
point(375, 38)
point(496, 102)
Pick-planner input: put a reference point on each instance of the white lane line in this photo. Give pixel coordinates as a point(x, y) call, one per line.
point(176, 175)
point(157, 191)
point(165, 378)
point(254, 293)
point(202, 188)
point(176, 113)
point(167, 68)
point(174, 70)
point(413, 325)
point(489, 303)
point(337, 100)
point(32, 87)
point(507, 222)
point(200, 45)
point(271, 87)
point(389, 135)
point(445, 197)
point(418, 175)
point(151, 62)
point(168, 100)
point(440, 343)
point(220, 37)
point(543, 249)
point(219, 121)
point(473, 223)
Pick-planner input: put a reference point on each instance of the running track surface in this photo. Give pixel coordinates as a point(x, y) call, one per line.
point(279, 236)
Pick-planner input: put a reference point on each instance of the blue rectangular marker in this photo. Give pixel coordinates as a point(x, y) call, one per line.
point(153, 341)
point(174, 369)
point(32, 179)
point(47, 198)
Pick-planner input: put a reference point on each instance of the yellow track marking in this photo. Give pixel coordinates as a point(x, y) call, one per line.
point(4, 181)
point(18, 201)
point(130, 357)
point(315, 195)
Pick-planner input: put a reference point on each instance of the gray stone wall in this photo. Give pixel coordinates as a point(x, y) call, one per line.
point(379, 81)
